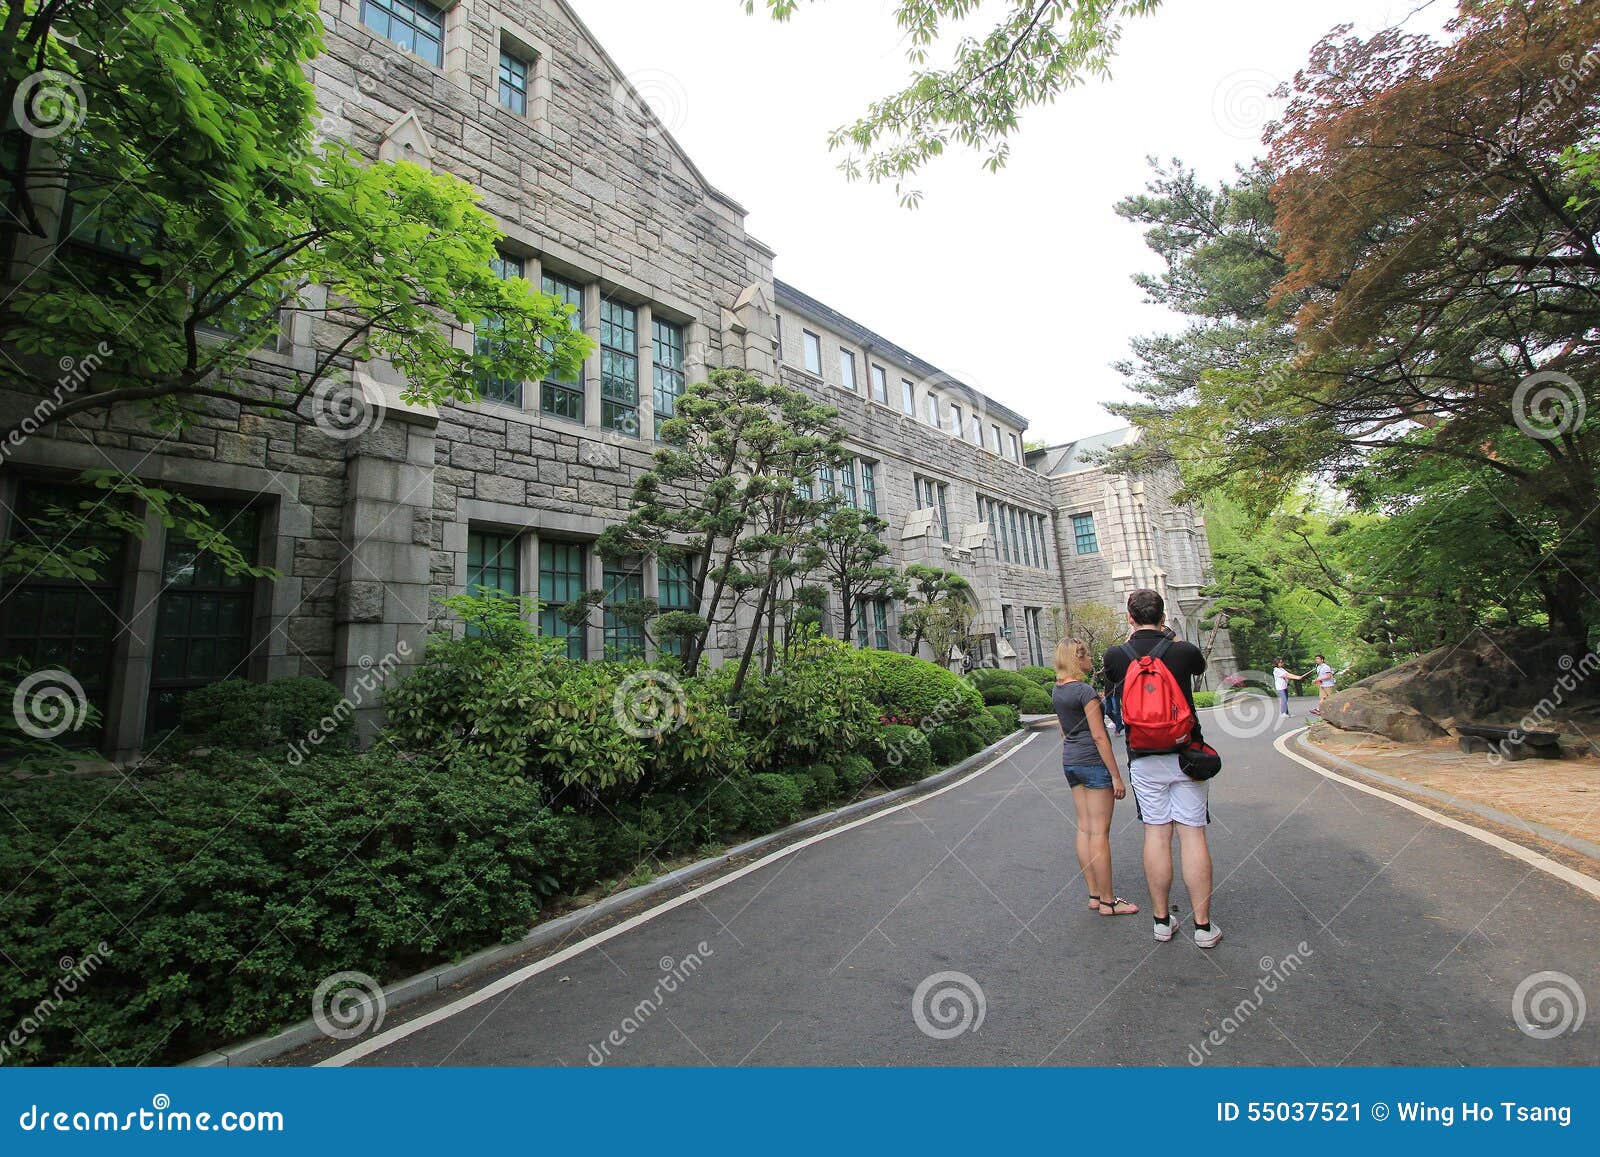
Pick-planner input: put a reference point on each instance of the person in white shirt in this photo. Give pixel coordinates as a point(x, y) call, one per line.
point(1325, 683)
point(1280, 683)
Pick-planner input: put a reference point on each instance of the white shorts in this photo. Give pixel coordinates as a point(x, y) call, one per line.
point(1165, 795)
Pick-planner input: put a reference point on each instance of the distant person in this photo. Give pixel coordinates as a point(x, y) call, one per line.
point(1325, 683)
point(1280, 683)
point(1170, 803)
point(1090, 765)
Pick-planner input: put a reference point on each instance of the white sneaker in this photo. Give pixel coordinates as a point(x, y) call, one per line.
point(1208, 937)
point(1164, 931)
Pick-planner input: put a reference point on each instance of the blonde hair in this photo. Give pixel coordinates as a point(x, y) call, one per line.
point(1073, 660)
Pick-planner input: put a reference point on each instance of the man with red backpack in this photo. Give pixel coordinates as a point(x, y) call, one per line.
point(1156, 674)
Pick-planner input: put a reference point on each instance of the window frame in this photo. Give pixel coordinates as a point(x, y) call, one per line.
point(847, 371)
point(908, 397)
point(811, 346)
point(1079, 522)
point(668, 373)
point(880, 384)
point(553, 390)
point(551, 624)
point(618, 407)
point(413, 10)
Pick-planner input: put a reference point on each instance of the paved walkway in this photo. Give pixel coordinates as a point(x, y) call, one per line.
point(1416, 939)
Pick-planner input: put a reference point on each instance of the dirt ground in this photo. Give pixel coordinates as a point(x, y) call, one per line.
point(1561, 794)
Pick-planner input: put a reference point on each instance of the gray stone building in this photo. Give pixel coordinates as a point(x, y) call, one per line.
point(599, 206)
point(1117, 533)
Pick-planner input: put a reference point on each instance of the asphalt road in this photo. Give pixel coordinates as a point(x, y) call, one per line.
point(1415, 941)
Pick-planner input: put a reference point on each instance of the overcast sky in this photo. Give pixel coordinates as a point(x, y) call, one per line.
point(1017, 282)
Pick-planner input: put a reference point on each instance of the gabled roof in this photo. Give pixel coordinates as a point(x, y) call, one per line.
point(790, 298)
point(1073, 457)
point(621, 77)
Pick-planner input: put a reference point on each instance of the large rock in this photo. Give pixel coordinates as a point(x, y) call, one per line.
point(1363, 709)
point(1488, 678)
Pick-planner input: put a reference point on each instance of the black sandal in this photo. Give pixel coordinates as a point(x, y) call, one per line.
point(1111, 910)
point(1094, 902)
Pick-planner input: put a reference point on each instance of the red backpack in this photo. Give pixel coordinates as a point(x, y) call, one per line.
point(1154, 710)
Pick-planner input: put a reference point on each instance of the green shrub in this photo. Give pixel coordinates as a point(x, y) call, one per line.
point(1006, 716)
point(908, 690)
point(1205, 699)
point(855, 772)
point(818, 785)
point(815, 708)
point(953, 743)
point(1035, 701)
point(1002, 686)
point(907, 755)
point(774, 801)
point(1044, 676)
point(244, 716)
point(226, 892)
point(986, 727)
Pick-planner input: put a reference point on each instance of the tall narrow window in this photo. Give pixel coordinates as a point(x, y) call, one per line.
point(996, 446)
point(1016, 447)
point(492, 564)
point(624, 583)
point(933, 410)
point(1007, 625)
point(847, 370)
point(64, 623)
point(908, 396)
point(847, 484)
point(880, 385)
point(561, 581)
point(957, 419)
point(513, 83)
point(487, 344)
point(933, 496)
point(563, 396)
point(1083, 535)
point(1030, 617)
point(869, 486)
point(813, 345)
point(668, 371)
point(825, 482)
point(675, 584)
point(204, 618)
point(619, 367)
point(414, 25)
point(976, 433)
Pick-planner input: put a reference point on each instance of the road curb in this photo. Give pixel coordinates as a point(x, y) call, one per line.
point(1583, 881)
point(1560, 839)
point(414, 988)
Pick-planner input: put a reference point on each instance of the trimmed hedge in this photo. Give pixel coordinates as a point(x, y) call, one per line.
point(244, 716)
point(225, 894)
point(1044, 676)
point(1006, 716)
point(1205, 699)
point(909, 690)
point(1035, 701)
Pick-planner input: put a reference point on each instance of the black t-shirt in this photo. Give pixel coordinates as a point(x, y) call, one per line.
point(1184, 660)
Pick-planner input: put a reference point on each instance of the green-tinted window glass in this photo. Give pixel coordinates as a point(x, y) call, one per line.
point(561, 580)
point(563, 396)
point(619, 367)
point(486, 343)
point(668, 372)
point(624, 583)
point(203, 617)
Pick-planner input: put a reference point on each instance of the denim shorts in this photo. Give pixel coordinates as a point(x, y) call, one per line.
point(1087, 775)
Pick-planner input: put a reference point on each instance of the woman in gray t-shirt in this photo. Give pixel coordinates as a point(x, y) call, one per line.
point(1091, 768)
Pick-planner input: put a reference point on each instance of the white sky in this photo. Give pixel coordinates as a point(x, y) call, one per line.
point(1017, 282)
